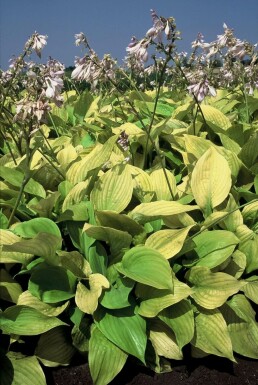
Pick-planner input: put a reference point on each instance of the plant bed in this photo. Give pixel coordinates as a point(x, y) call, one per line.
point(211, 370)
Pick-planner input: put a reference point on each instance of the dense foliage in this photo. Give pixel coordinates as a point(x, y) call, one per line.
point(129, 213)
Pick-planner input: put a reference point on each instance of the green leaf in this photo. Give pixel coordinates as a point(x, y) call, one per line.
point(243, 329)
point(114, 189)
point(106, 360)
point(117, 296)
point(154, 300)
point(9, 288)
point(29, 229)
point(151, 211)
point(211, 290)
point(180, 318)
point(211, 334)
point(23, 371)
point(119, 222)
point(125, 329)
point(209, 185)
point(160, 184)
point(251, 288)
point(168, 242)
point(27, 299)
point(54, 347)
point(52, 284)
point(42, 245)
point(214, 247)
point(8, 238)
point(24, 320)
point(142, 264)
point(163, 340)
point(15, 178)
point(116, 239)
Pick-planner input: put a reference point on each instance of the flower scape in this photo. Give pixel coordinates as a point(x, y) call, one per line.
point(129, 206)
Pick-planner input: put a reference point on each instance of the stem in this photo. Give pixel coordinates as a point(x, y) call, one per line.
point(26, 179)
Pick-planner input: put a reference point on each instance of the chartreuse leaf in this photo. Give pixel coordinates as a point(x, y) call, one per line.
point(168, 242)
point(9, 288)
point(251, 288)
point(106, 360)
point(142, 264)
point(237, 264)
point(15, 178)
point(94, 160)
point(142, 184)
point(125, 328)
point(160, 184)
point(8, 238)
point(154, 300)
point(210, 186)
point(214, 247)
point(180, 318)
point(76, 194)
point(21, 370)
point(216, 119)
point(27, 299)
point(87, 299)
point(211, 290)
point(54, 347)
point(113, 191)
point(211, 334)
point(242, 327)
point(26, 321)
point(42, 245)
point(250, 248)
point(116, 239)
point(52, 284)
point(163, 340)
point(151, 211)
point(75, 262)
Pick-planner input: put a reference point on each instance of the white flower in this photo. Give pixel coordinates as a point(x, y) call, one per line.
point(138, 49)
point(80, 38)
point(38, 43)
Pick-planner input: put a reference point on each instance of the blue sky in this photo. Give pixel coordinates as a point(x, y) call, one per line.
point(109, 25)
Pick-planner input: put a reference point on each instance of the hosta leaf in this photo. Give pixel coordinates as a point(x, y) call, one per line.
point(119, 222)
point(211, 334)
point(215, 118)
point(76, 194)
point(243, 329)
point(163, 340)
point(250, 248)
point(142, 263)
point(8, 238)
point(160, 184)
point(29, 229)
point(214, 247)
point(154, 300)
point(180, 318)
point(52, 284)
point(94, 160)
point(42, 245)
point(75, 262)
point(125, 329)
point(105, 359)
point(15, 178)
point(26, 298)
point(211, 290)
point(66, 156)
point(9, 288)
point(237, 264)
point(168, 242)
point(146, 212)
point(251, 288)
point(87, 299)
point(114, 189)
point(23, 371)
point(54, 347)
point(117, 296)
point(26, 321)
point(209, 185)
point(116, 239)
point(142, 184)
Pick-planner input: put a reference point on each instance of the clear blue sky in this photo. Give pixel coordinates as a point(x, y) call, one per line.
point(109, 24)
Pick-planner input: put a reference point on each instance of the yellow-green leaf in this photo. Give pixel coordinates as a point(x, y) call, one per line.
point(211, 180)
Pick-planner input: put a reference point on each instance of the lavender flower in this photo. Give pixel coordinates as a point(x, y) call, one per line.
point(37, 43)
